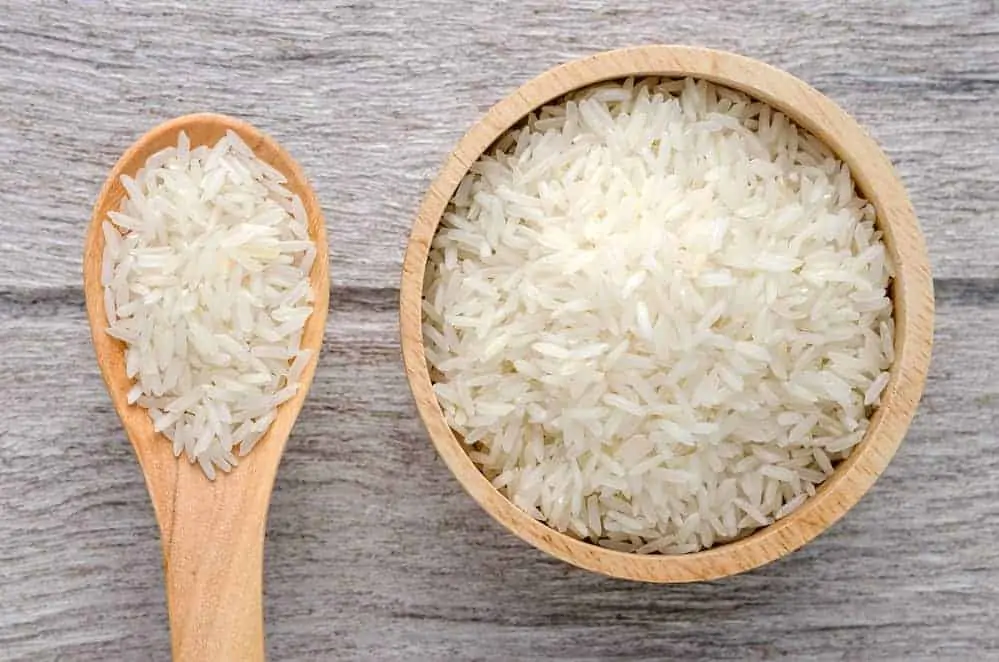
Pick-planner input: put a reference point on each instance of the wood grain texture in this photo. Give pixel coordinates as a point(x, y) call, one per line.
point(912, 306)
point(371, 95)
point(373, 550)
point(212, 531)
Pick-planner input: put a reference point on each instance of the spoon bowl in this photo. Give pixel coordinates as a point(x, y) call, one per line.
point(212, 532)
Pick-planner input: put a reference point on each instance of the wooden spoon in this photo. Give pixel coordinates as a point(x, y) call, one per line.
point(212, 531)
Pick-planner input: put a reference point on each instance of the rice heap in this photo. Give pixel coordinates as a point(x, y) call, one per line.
point(658, 315)
point(206, 280)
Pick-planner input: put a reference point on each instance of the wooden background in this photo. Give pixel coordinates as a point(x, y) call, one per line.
point(373, 551)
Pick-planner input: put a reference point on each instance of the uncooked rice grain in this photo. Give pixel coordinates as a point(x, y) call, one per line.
point(206, 280)
point(658, 315)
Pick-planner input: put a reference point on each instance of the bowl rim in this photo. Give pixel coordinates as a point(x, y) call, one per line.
point(912, 294)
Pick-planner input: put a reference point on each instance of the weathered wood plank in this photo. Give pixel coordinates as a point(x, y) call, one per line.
point(374, 551)
point(371, 96)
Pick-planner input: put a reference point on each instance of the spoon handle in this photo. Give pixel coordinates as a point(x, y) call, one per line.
point(213, 541)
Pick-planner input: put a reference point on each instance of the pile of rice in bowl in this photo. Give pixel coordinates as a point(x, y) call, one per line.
point(658, 315)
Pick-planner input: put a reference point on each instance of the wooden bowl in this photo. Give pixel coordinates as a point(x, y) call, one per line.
point(912, 293)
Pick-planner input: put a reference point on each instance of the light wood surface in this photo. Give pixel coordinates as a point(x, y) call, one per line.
point(212, 532)
point(912, 299)
point(373, 549)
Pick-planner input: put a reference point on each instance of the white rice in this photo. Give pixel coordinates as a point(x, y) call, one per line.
point(206, 280)
point(658, 315)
